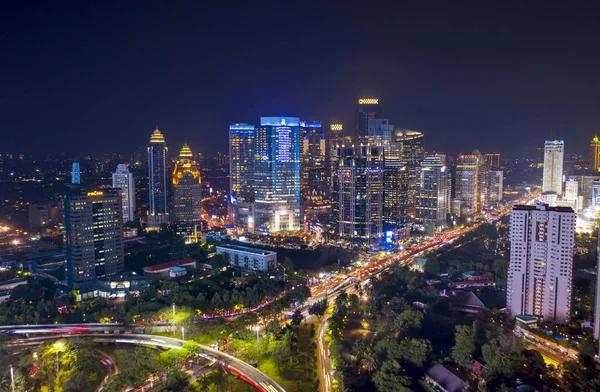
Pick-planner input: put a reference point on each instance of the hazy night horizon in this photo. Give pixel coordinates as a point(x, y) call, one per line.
point(472, 76)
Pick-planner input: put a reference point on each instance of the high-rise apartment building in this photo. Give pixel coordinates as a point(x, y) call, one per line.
point(467, 183)
point(553, 166)
point(158, 211)
point(314, 176)
point(368, 109)
point(432, 194)
point(277, 174)
point(541, 262)
point(241, 161)
point(123, 179)
point(358, 193)
point(93, 234)
point(187, 189)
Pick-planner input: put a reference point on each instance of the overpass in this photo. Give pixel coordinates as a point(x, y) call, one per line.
point(98, 333)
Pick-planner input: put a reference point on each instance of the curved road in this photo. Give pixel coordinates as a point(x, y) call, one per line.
point(248, 373)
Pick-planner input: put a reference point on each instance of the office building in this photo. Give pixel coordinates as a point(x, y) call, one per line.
point(93, 234)
point(410, 145)
point(158, 211)
point(314, 176)
point(45, 214)
point(367, 109)
point(277, 175)
point(123, 180)
point(241, 161)
point(541, 262)
point(432, 193)
point(380, 133)
point(467, 183)
point(596, 195)
point(597, 305)
point(358, 193)
point(187, 189)
point(496, 185)
point(585, 188)
point(572, 193)
point(492, 161)
point(75, 174)
point(553, 166)
point(248, 258)
point(596, 153)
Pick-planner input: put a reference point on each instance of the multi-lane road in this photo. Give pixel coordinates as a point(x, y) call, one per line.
point(376, 267)
point(104, 333)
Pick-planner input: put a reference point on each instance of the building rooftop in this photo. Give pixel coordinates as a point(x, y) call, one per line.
point(170, 264)
point(542, 207)
point(256, 251)
point(444, 377)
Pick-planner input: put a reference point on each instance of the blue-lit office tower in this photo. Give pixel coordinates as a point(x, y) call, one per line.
point(277, 174)
point(75, 174)
point(158, 212)
point(314, 178)
point(241, 161)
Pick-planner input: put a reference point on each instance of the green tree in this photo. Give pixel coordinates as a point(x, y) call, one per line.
point(218, 262)
point(296, 318)
point(464, 345)
point(415, 351)
point(319, 308)
point(390, 378)
point(502, 356)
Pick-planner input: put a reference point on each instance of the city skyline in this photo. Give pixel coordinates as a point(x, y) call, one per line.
point(451, 67)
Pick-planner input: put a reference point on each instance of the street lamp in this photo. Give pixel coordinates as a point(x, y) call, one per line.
point(12, 378)
point(182, 333)
point(174, 318)
point(257, 345)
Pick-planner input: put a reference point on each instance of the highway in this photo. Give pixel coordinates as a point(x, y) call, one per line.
point(377, 267)
point(248, 373)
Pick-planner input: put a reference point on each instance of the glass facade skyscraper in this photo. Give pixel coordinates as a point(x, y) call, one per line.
point(314, 178)
point(432, 198)
point(158, 212)
point(277, 174)
point(241, 161)
point(358, 193)
point(123, 180)
point(368, 109)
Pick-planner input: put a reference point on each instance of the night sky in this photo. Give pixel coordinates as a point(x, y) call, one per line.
point(97, 76)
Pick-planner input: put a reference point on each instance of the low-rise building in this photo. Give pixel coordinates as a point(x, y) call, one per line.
point(162, 271)
point(249, 258)
point(444, 380)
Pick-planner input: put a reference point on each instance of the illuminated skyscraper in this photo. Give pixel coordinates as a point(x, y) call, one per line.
point(596, 153)
point(277, 174)
point(597, 305)
point(75, 174)
point(187, 191)
point(336, 139)
point(408, 145)
point(368, 109)
point(541, 262)
point(314, 178)
point(158, 212)
point(123, 179)
point(358, 193)
point(553, 166)
point(467, 183)
point(432, 198)
point(241, 161)
point(93, 234)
